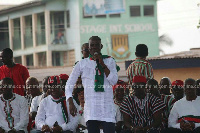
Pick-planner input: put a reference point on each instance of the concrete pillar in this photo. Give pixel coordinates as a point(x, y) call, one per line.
point(11, 32)
point(24, 60)
point(22, 28)
point(34, 29)
point(49, 58)
point(47, 26)
point(35, 60)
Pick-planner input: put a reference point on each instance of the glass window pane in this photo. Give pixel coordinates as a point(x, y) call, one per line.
point(135, 11)
point(148, 11)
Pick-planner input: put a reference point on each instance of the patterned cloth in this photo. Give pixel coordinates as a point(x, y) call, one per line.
point(14, 113)
point(169, 102)
point(29, 99)
point(140, 67)
point(142, 111)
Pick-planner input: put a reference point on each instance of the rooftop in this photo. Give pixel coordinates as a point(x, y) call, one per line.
point(21, 6)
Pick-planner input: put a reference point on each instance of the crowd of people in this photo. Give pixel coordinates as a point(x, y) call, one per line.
point(94, 100)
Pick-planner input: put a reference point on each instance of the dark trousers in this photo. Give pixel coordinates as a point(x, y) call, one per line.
point(93, 126)
point(175, 130)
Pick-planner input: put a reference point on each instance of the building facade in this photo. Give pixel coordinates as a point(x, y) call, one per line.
point(50, 32)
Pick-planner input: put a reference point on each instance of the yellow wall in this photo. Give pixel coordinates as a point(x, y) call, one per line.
point(178, 73)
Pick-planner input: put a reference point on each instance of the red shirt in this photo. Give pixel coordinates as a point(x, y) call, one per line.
point(18, 73)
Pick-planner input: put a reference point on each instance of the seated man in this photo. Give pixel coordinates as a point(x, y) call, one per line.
point(53, 112)
point(32, 89)
point(185, 114)
point(13, 109)
point(177, 89)
point(153, 88)
point(165, 86)
point(142, 112)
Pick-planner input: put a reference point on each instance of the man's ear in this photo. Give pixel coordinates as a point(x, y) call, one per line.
point(101, 46)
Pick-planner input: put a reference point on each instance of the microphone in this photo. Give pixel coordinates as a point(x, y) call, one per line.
point(97, 60)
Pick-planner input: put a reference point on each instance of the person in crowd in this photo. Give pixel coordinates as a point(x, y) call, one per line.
point(98, 74)
point(140, 66)
point(119, 92)
point(198, 87)
point(53, 113)
point(153, 88)
point(76, 87)
point(165, 86)
point(32, 89)
point(64, 78)
point(45, 87)
point(85, 50)
point(142, 112)
point(13, 109)
point(35, 103)
point(79, 91)
point(185, 114)
point(15, 71)
point(119, 95)
point(177, 89)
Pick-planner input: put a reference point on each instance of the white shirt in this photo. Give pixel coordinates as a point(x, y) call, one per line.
point(118, 116)
point(35, 103)
point(19, 107)
point(49, 112)
point(98, 105)
point(184, 107)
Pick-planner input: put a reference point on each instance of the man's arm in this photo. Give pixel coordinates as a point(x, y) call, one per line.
point(127, 121)
point(24, 115)
point(70, 86)
point(173, 118)
point(40, 117)
point(72, 120)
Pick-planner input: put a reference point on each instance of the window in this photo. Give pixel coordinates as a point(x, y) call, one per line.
point(114, 15)
point(86, 16)
point(148, 11)
point(68, 19)
point(100, 16)
point(135, 11)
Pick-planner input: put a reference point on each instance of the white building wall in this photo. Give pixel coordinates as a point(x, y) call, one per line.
point(73, 32)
